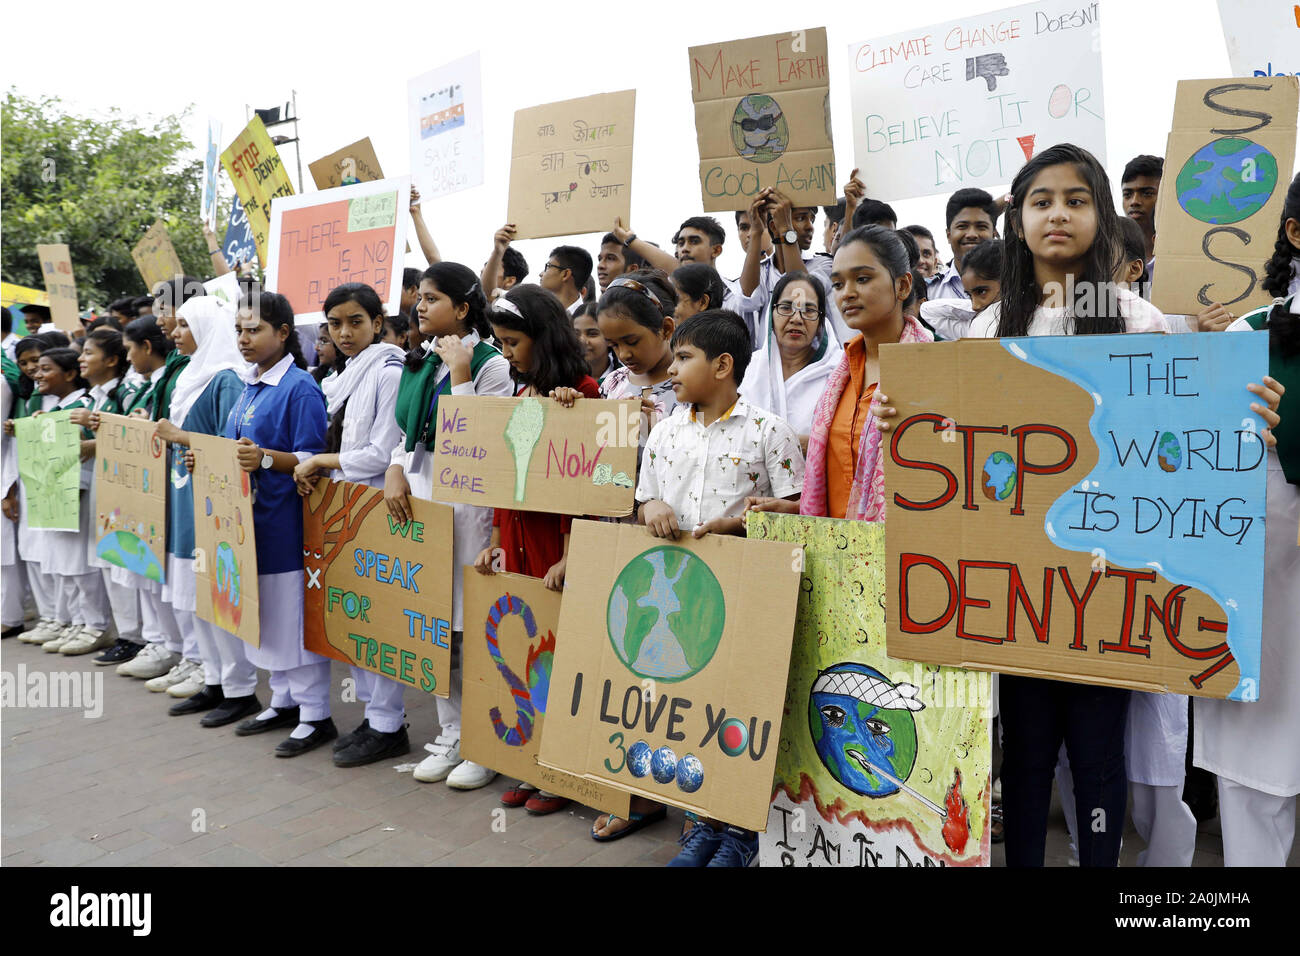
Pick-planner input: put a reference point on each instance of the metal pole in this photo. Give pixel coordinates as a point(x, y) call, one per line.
point(297, 140)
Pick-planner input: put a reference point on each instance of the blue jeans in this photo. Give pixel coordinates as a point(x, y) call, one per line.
point(1037, 715)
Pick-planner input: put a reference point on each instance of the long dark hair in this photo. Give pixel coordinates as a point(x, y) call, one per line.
point(146, 330)
point(639, 307)
point(557, 356)
point(458, 283)
point(1095, 308)
point(275, 310)
point(698, 279)
point(68, 360)
point(366, 297)
point(109, 341)
point(1283, 326)
point(27, 385)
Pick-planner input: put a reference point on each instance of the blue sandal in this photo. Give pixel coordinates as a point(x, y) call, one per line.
point(635, 821)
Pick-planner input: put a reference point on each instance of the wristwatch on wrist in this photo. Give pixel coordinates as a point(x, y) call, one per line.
point(267, 460)
point(631, 238)
point(790, 237)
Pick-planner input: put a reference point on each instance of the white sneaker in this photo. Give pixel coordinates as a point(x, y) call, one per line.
point(154, 661)
point(444, 758)
point(179, 673)
point(190, 686)
point(67, 633)
point(44, 630)
point(86, 640)
point(470, 776)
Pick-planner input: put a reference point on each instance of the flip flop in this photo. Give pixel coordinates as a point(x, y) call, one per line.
point(635, 821)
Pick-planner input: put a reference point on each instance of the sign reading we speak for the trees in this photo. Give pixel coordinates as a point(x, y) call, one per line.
point(1086, 508)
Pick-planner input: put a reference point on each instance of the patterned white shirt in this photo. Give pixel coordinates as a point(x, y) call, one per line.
point(707, 472)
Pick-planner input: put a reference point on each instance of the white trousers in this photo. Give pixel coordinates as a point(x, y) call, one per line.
point(306, 686)
point(224, 660)
point(1258, 828)
point(13, 589)
point(449, 706)
point(80, 599)
point(188, 622)
point(383, 697)
point(125, 603)
point(44, 589)
point(158, 622)
point(1165, 823)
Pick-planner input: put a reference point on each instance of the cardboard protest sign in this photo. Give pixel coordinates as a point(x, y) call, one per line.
point(130, 517)
point(511, 622)
point(571, 166)
point(254, 166)
point(225, 549)
point(49, 463)
point(211, 163)
point(672, 666)
point(968, 102)
point(533, 454)
point(355, 163)
point(155, 256)
point(60, 285)
point(445, 110)
point(763, 118)
point(378, 591)
point(880, 762)
point(1263, 36)
point(238, 245)
point(349, 234)
point(1227, 165)
point(1085, 508)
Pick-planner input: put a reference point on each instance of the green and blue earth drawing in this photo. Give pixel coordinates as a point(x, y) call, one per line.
point(1226, 181)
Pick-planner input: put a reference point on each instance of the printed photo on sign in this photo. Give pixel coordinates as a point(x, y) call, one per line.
point(445, 116)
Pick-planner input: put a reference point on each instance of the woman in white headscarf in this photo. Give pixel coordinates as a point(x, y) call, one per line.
point(206, 390)
point(788, 374)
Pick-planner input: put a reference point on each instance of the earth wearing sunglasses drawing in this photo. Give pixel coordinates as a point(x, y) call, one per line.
point(758, 129)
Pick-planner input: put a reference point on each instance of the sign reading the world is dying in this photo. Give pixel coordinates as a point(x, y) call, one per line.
point(670, 676)
point(225, 548)
point(967, 103)
point(377, 590)
point(131, 495)
point(1086, 508)
point(1227, 164)
point(763, 118)
point(880, 762)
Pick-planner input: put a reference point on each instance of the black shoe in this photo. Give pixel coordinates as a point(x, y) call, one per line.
point(121, 652)
point(348, 738)
point(323, 731)
point(12, 631)
point(205, 699)
point(286, 717)
point(371, 745)
point(230, 710)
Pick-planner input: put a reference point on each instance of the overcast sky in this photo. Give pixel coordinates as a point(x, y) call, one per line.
point(350, 63)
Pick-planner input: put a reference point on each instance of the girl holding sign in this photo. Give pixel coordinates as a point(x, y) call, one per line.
point(454, 359)
point(278, 421)
point(636, 318)
point(206, 390)
point(360, 399)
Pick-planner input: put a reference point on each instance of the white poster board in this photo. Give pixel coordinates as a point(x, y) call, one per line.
point(445, 111)
point(967, 103)
point(211, 164)
point(1263, 36)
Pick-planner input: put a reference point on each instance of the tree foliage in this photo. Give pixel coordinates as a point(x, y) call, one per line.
point(98, 185)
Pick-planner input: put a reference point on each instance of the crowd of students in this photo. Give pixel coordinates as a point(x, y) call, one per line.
point(757, 393)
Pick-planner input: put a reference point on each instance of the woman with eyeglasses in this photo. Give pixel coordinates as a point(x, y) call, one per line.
point(788, 374)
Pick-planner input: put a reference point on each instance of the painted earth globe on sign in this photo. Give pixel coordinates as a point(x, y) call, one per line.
point(129, 551)
point(758, 129)
point(1169, 452)
point(666, 614)
point(998, 479)
point(1226, 181)
point(638, 758)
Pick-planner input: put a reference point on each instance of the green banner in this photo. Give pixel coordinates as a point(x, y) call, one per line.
point(49, 463)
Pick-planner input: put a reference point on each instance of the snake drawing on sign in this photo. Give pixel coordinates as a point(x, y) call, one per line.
point(530, 697)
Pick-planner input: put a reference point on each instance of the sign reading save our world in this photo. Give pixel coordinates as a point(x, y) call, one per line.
point(1086, 508)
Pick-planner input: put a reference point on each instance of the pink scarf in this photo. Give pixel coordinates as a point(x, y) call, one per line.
point(867, 498)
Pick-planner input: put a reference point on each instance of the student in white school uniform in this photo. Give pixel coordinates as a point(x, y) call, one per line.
point(454, 359)
point(206, 391)
point(360, 399)
point(17, 391)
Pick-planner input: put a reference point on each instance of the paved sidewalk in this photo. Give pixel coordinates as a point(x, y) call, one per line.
point(135, 786)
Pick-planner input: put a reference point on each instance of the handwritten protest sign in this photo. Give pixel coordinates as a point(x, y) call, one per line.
point(349, 234)
point(49, 463)
point(533, 454)
point(968, 102)
point(354, 163)
point(880, 762)
point(225, 549)
point(1227, 163)
point(60, 285)
point(511, 622)
point(1086, 508)
point(259, 176)
point(130, 517)
point(211, 163)
point(672, 666)
point(445, 110)
point(762, 118)
point(238, 245)
point(155, 256)
point(571, 166)
point(378, 591)
point(1263, 36)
